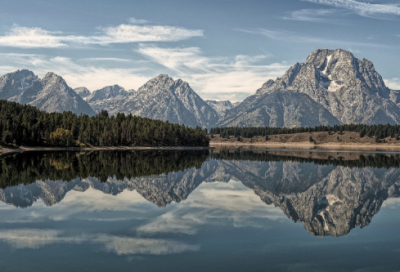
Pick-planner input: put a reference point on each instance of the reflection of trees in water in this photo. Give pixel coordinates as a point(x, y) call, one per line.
point(31, 166)
point(364, 160)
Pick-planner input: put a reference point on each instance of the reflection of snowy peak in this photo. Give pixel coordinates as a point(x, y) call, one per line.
point(328, 200)
point(159, 189)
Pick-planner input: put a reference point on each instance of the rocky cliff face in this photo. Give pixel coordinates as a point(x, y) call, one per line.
point(82, 91)
point(51, 93)
point(14, 84)
point(109, 98)
point(349, 88)
point(221, 107)
point(169, 100)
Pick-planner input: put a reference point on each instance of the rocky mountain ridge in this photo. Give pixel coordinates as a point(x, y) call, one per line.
point(51, 93)
point(109, 98)
point(170, 100)
point(351, 90)
point(221, 107)
point(330, 87)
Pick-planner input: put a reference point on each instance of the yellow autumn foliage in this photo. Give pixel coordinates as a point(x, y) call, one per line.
point(62, 137)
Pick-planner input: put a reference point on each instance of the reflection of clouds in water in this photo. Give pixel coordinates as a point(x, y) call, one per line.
point(35, 238)
point(76, 202)
point(210, 202)
point(391, 203)
point(5, 207)
point(126, 246)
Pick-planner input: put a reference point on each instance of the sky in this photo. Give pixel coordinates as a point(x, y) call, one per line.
point(225, 49)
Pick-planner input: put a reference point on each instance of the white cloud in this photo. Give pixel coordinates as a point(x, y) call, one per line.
point(297, 38)
point(25, 37)
point(215, 78)
point(135, 33)
point(362, 8)
point(310, 15)
point(35, 37)
point(134, 21)
point(106, 59)
point(393, 83)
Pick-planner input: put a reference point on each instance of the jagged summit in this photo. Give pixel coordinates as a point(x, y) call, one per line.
point(350, 89)
point(338, 66)
point(13, 84)
point(51, 93)
point(109, 98)
point(82, 91)
point(106, 93)
point(167, 99)
point(221, 107)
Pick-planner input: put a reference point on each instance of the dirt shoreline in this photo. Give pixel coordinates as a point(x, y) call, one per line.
point(21, 149)
point(308, 145)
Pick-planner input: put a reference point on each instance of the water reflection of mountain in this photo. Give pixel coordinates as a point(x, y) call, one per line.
point(330, 193)
point(161, 177)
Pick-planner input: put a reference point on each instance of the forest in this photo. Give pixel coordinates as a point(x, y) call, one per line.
point(376, 131)
point(26, 125)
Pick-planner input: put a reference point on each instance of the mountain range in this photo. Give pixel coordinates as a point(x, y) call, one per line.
point(330, 87)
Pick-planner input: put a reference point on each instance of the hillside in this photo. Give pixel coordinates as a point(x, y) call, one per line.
point(346, 139)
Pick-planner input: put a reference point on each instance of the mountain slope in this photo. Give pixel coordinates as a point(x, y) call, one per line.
point(221, 107)
point(349, 88)
point(82, 91)
point(278, 109)
point(51, 94)
point(169, 100)
point(109, 98)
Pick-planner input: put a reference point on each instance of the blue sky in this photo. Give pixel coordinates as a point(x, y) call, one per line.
point(225, 49)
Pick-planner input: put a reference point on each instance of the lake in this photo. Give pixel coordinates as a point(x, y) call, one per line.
point(217, 210)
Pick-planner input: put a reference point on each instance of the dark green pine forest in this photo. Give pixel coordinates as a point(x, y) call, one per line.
point(26, 125)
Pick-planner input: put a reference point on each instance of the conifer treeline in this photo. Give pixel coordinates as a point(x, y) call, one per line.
point(376, 131)
point(26, 125)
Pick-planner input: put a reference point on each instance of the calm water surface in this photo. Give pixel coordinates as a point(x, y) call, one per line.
point(220, 210)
